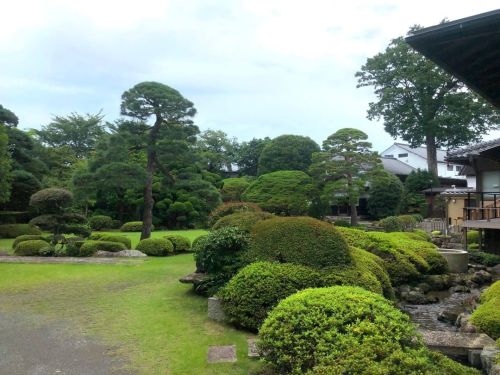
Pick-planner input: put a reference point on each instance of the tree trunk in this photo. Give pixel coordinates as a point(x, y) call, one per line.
point(354, 215)
point(430, 142)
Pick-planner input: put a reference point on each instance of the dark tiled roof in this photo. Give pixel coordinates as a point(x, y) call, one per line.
point(474, 149)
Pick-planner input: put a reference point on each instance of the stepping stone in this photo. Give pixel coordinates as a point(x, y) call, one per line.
point(455, 343)
point(253, 352)
point(220, 354)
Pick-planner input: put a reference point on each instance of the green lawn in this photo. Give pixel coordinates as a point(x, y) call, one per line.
point(157, 323)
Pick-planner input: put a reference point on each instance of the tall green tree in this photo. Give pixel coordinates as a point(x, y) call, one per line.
point(421, 103)
point(386, 193)
point(5, 163)
point(248, 155)
point(344, 166)
point(167, 106)
point(217, 151)
point(7, 117)
point(287, 152)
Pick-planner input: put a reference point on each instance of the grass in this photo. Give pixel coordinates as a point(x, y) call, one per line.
point(158, 324)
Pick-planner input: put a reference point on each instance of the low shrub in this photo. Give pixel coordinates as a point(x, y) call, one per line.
point(33, 248)
point(244, 220)
point(133, 226)
point(408, 222)
point(257, 288)
point(180, 243)
point(418, 235)
point(96, 236)
point(419, 218)
point(325, 325)
point(100, 222)
point(27, 237)
point(72, 248)
point(342, 223)
point(89, 248)
point(473, 246)
point(391, 224)
point(116, 238)
point(230, 208)
point(487, 316)
point(486, 259)
point(155, 246)
point(472, 236)
point(115, 224)
point(299, 240)
point(436, 232)
point(16, 230)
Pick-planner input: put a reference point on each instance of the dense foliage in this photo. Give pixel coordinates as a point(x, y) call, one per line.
point(244, 220)
point(132, 226)
point(180, 243)
point(16, 230)
point(33, 247)
point(487, 316)
point(100, 222)
point(233, 188)
point(155, 246)
point(231, 208)
point(386, 193)
point(89, 248)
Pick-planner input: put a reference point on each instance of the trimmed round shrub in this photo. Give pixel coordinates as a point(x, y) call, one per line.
point(33, 247)
point(391, 224)
point(89, 248)
point(244, 220)
point(180, 243)
point(51, 200)
point(230, 208)
point(16, 230)
point(472, 236)
point(116, 238)
point(233, 188)
point(256, 289)
point(321, 326)
point(299, 240)
point(155, 246)
point(408, 222)
point(487, 316)
point(133, 226)
point(27, 237)
point(100, 222)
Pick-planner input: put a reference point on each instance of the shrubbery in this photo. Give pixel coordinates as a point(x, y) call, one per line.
point(472, 236)
point(244, 220)
point(391, 224)
point(233, 188)
point(116, 238)
point(257, 288)
point(99, 222)
point(133, 226)
point(27, 237)
point(231, 208)
point(180, 243)
point(299, 240)
point(155, 246)
point(487, 259)
point(89, 248)
point(16, 230)
point(487, 316)
point(33, 248)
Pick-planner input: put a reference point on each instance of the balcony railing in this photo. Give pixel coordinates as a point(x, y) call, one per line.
point(486, 206)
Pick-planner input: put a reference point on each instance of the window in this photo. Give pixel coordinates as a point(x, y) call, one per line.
point(457, 168)
point(402, 155)
point(389, 156)
point(449, 167)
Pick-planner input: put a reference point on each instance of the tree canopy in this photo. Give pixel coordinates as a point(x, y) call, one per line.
point(386, 193)
point(7, 117)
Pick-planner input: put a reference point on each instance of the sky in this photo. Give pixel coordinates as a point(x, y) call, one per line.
point(253, 68)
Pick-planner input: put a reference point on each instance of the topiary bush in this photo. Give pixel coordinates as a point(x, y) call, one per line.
point(155, 246)
point(16, 230)
point(133, 226)
point(487, 316)
point(33, 248)
point(233, 188)
point(391, 224)
point(230, 208)
point(116, 238)
point(472, 236)
point(89, 248)
point(180, 243)
point(244, 220)
point(324, 325)
point(299, 240)
point(256, 289)
point(100, 222)
point(27, 237)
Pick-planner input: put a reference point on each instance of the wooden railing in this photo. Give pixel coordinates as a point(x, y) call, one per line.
point(487, 204)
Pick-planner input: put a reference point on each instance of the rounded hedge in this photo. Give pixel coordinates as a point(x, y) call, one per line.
point(51, 200)
point(230, 208)
point(329, 324)
point(99, 222)
point(180, 243)
point(33, 248)
point(133, 226)
point(244, 220)
point(299, 240)
point(27, 237)
point(116, 238)
point(16, 230)
point(487, 316)
point(256, 289)
point(155, 246)
point(472, 236)
point(89, 248)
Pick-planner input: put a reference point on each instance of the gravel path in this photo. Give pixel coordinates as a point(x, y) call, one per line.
point(31, 346)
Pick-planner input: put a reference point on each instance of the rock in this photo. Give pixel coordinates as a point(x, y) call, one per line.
point(130, 253)
point(457, 279)
point(477, 267)
point(253, 350)
point(495, 270)
point(193, 278)
point(455, 343)
point(464, 324)
point(424, 287)
point(438, 282)
point(471, 284)
point(431, 299)
point(104, 254)
point(459, 289)
point(415, 297)
point(404, 289)
point(481, 277)
point(488, 356)
point(450, 315)
point(215, 311)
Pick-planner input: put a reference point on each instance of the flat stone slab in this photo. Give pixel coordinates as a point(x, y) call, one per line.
point(221, 354)
point(64, 260)
point(193, 278)
point(455, 343)
point(253, 351)
point(215, 311)
point(121, 253)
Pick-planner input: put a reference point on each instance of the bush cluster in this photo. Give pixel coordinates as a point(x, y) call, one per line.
point(401, 223)
point(155, 246)
point(27, 237)
point(231, 208)
point(244, 220)
point(100, 222)
point(233, 188)
point(116, 238)
point(89, 248)
point(133, 226)
point(487, 316)
point(33, 248)
point(299, 240)
point(487, 259)
point(180, 243)
point(16, 230)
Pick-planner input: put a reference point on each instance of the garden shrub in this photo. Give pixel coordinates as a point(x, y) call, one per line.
point(342, 223)
point(133, 226)
point(180, 243)
point(436, 232)
point(244, 220)
point(89, 248)
point(99, 222)
point(155, 246)
point(27, 237)
point(473, 246)
point(325, 325)
point(33, 248)
point(97, 236)
point(486, 259)
point(419, 218)
point(16, 230)
point(487, 316)
point(391, 224)
point(231, 208)
point(408, 222)
point(72, 248)
point(418, 235)
point(115, 224)
point(233, 188)
point(472, 236)
point(256, 289)
point(116, 238)
point(299, 240)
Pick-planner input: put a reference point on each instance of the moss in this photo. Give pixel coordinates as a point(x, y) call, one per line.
point(487, 316)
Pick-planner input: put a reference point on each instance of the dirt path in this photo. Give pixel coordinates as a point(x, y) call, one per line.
point(31, 346)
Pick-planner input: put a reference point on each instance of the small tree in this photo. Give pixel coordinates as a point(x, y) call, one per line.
point(415, 183)
point(386, 193)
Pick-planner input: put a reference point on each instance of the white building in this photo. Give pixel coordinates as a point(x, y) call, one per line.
point(417, 158)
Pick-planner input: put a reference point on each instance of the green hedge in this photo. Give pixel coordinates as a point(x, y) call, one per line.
point(133, 226)
point(116, 238)
point(33, 248)
point(472, 237)
point(27, 237)
point(89, 248)
point(257, 288)
point(231, 208)
point(99, 222)
point(16, 230)
point(244, 220)
point(180, 243)
point(487, 259)
point(487, 316)
point(299, 240)
point(155, 246)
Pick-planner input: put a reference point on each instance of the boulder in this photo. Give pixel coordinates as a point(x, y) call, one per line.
point(438, 282)
point(130, 253)
point(488, 356)
point(104, 254)
point(481, 277)
point(450, 315)
point(464, 325)
point(215, 311)
point(455, 343)
point(459, 289)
